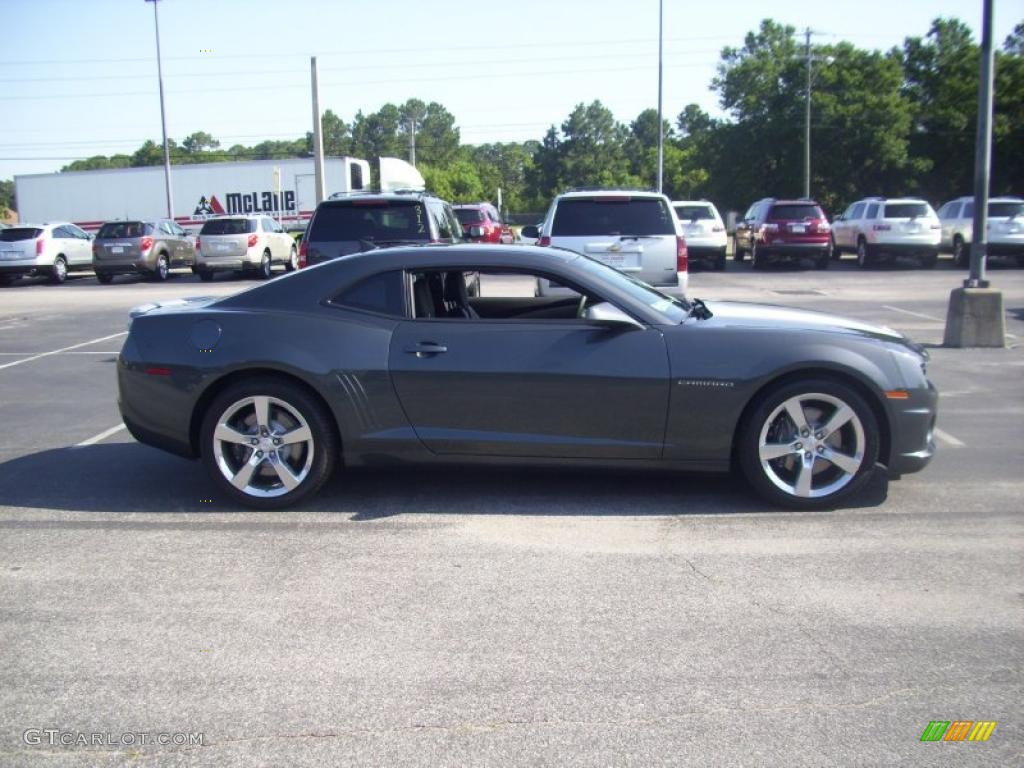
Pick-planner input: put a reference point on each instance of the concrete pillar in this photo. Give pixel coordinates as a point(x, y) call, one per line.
point(975, 319)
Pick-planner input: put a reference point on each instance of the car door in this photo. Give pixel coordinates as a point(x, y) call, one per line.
point(744, 228)
point(80, 244)
point(186, 244)
point(563, 388)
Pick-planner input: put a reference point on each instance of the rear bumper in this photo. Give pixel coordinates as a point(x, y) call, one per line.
point(22, 269)
point(793, 250)
point(115, 267)
point(1004, 249)
point(904, 249)
point(226, 263)
point(702, 253)
point(913, 427)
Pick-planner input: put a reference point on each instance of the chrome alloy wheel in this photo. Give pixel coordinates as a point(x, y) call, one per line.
point(263, 446)
point(811, 445)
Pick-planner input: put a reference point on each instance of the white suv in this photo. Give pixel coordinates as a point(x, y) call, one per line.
point(1005, 228)
point(704, 231)
point(877, 227)
point(243, 243)
point(43, 249)
point(636, 232)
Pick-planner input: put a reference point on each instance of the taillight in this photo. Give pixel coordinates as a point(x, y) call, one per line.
point(823, 226)
point(545, 240)
point(95, 248)
point(198, 246)
point(682, 257)
point(146, 244)
point(770, 227)
point(40, 244)
point(718, 228)
point(881, 227)
point(252, 240)
point(303, 254)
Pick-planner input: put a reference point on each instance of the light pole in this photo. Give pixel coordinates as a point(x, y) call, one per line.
point(163, 113)
point(661, 128)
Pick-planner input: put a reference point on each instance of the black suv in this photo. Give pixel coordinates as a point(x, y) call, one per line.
point(345, 224)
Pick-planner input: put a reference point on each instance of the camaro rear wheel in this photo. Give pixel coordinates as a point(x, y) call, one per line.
point(268, 443)
point(809, 444)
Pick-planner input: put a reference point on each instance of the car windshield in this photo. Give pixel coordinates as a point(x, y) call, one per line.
point(795, 212)
point(612, 215)
point(469, 215)
point(371, 220)
point(14, 234)
point(694, 213)
point(905, 210)
point(228, 227)
point(123, 229)
point(1006, 209)
point(675, 310)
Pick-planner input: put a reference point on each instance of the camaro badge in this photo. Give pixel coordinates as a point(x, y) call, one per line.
point(705, 383)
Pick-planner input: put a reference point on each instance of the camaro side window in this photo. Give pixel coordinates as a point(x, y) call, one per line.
point(383, 293)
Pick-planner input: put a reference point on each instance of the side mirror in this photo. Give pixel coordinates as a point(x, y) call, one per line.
point(610, 315)
point(530, 231)
point(476, 231)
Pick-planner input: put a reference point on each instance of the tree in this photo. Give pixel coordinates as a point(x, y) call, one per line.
point(7, 197)
point(458, 181)
point(199, 142)
point(1008, 117)
point(336, 135)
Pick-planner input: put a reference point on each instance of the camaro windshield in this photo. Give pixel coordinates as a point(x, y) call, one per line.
point(674, 310)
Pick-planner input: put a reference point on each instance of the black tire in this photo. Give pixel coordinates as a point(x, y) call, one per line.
point(720, 261)
point(837, 252)
point(205, 275)
point(864, 258)
point(961, 253)
point(162, 269)
point(288, 399)
point(822, 261)
point(756, 257)
point(59, 271)
point(293, 260)
point(737, 252)
point(265, 269)
point(769, 477)
point(105, 278)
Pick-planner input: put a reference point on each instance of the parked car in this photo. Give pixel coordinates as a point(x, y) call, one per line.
point(773, 230)
point(247, 244)
point(151, 248)
point(634, 231)
point(382, 357)
point(704, 231)
point(347, 224)
point(1005, 228)
point(878, 228)
point(53, 249)
point(486, 217)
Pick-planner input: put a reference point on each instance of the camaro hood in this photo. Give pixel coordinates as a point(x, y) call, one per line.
point(771, 316)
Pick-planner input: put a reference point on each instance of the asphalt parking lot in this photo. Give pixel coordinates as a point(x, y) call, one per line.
point(505, 617)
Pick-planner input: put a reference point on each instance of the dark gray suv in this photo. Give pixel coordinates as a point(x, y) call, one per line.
point(346, 224)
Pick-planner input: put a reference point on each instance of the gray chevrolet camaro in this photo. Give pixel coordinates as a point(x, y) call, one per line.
point(383, 358)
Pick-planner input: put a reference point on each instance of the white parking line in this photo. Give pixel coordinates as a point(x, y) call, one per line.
point(100, 437)
point(915, 314)
point(949, 439)
point(64, 349)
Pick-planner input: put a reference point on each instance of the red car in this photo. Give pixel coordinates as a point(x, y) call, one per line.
point(485, 216)
point(774, 230)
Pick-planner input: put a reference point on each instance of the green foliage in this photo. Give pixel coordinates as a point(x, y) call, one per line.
point(7, 198)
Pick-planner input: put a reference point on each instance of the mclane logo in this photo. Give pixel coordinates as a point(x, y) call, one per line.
point(706, 383)
point(958, 730)
point(250, 202)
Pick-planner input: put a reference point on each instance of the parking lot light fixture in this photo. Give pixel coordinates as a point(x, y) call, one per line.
point(163, 113)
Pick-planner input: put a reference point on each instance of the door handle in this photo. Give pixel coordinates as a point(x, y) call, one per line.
point(426, 349)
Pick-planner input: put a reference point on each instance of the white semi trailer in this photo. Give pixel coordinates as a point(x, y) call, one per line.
point(284, 189)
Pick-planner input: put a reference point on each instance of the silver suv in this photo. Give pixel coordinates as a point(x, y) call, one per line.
point(150, 248)
point(244, 243)
point(878, 228)
point(635, 232)
point(1005, 228)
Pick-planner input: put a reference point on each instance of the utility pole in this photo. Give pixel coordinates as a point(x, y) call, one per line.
point(163, 114)
point(661, 125)
point(318, 138)
point(807, 117)
point(975, 315)
point(412, 141)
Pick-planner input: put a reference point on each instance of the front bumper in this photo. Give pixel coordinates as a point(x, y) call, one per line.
point(913, 431)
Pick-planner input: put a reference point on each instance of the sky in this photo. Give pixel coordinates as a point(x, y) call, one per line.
point(79, 77)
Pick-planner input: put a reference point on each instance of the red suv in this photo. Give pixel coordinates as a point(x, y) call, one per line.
point(485, 216)
point(774, 230)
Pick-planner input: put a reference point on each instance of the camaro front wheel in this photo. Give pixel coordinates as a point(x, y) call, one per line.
point(268, 443)
point(809, 444)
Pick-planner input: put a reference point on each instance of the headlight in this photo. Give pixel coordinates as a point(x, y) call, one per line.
point(913, 367)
